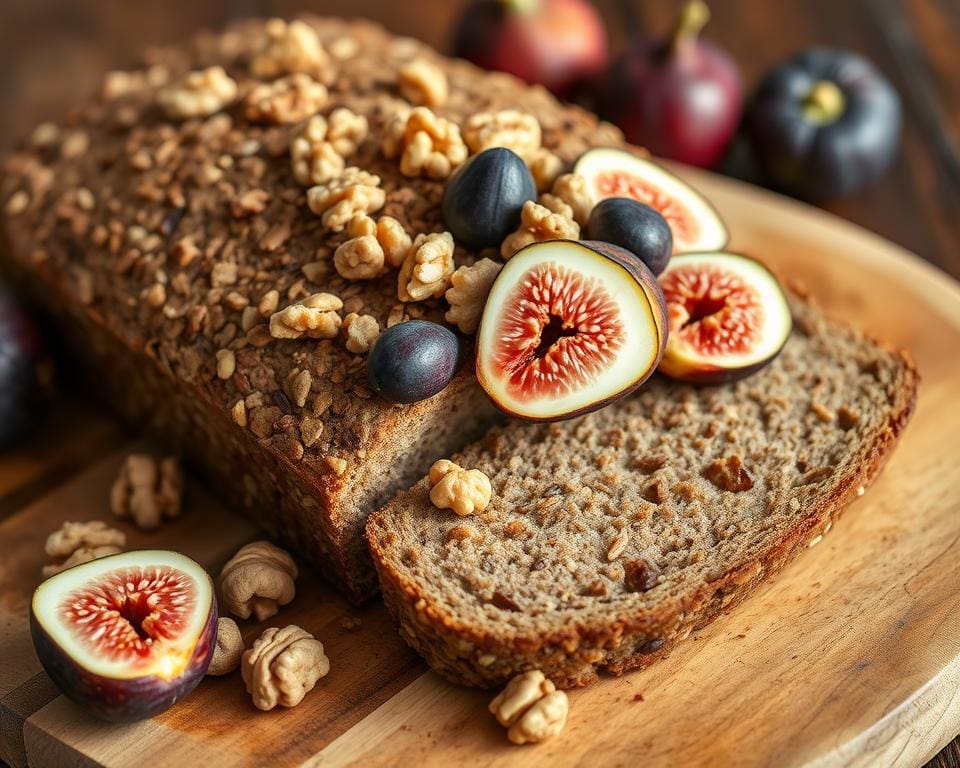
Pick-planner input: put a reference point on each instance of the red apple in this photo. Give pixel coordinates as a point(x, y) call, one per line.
point(681, 98)
point(557, 43)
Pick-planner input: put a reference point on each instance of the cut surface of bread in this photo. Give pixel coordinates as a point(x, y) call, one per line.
point(611, 537)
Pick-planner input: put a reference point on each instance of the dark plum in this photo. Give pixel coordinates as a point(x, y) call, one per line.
point(824, 124)
point(20, 352)
point(482, 202)
point(413, 361)
point(632, 225)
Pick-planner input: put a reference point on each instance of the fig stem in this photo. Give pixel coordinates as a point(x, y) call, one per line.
point(824, 103)
point(521, 6)
point(693, 17)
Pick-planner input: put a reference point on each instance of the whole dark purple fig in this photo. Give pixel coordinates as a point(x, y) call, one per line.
point(824, 124)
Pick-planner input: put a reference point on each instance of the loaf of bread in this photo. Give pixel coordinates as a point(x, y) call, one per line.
point(609, 538)
point(164, 225)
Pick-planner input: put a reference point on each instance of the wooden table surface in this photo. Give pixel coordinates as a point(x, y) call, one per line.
point(54, 51)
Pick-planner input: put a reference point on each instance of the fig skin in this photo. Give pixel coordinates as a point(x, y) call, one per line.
point(680, 98)
point(658, 309)
point(20, 354)
point(636, 227)
point(559, 44)
point(124, 700)
point(824, 124)
point(412, 361)
point(482, 202)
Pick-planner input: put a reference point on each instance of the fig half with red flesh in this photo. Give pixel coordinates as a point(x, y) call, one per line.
point(128, 635)
point(695, 224)
point(728, 317)
point(567, 328)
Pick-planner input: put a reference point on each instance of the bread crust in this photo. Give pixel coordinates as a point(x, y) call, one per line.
point(572, 656)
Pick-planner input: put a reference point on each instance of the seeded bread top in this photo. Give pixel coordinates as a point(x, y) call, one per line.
point(169, 207)
point(610, 517)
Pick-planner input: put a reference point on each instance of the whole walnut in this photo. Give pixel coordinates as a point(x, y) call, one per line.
point(258, 580)
point(283, 666)
point(229, 648)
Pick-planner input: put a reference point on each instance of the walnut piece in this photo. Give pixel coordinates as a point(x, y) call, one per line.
point(337, 201)
point(229, 648)
point(531, 708)
point(320, 145)
point(315, 316)
point(359, 258)
point(394, 240)
point(729, 474)
point(572, 188)
point(147, 489)
point(427, 268)
point(465, 491)
point(283, 666)
point(423, 82)
point(257, 580)
point(198, 94)
point(81, 543)
point(362, 331)
point(545, 167)
point(287, 100)
point(537, 224)
point(468, 293)
point(291, 47)
point(508, 128)
point(427, 145)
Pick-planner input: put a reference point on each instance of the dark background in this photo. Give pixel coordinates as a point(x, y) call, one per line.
point(54, 52)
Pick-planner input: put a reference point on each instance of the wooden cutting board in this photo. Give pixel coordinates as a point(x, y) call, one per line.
point(851, 657)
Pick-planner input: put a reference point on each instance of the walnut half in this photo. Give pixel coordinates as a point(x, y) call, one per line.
point(465, 491)
point(283, 666)
point(531, 708)
point(258, 580)
point(147, 489)
point(81, 543)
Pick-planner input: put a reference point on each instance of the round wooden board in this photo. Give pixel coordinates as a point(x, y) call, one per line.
point(850, 657)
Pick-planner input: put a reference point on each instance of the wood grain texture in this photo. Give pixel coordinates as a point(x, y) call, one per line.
point(850, 657)
point(54, 51)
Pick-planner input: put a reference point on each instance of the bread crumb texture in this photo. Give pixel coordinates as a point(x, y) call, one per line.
point(607, 535)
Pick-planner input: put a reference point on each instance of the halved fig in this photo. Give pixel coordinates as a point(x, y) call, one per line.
point(128, 635)
point(728, 316)
point(567, 328)
point(695, 224)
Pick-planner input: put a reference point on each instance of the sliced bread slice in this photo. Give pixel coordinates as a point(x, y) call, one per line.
point(611, 537)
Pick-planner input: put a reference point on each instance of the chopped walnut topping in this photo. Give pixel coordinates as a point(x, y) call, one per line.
point(427, 269)
point(198, 94)
point(465, 491)
point(531, 708)
point(226, 364)
point(299, 384)
point(289, 48)
point(315, 317)
point(468, 293)
point(287, 100)
point(618, 545)
point(729, 474)
point(423, 82)
point(545, 167)
point(426, 144)
point(508, 128)
point(573, 190)
point(394, 240)
point(337, 464)
point(239, 413)
point(537, 224)
point(362, 331)
point(359, 258)
point(339, 200)
point(147, 489)
point(320, 145)
point(311, 429)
